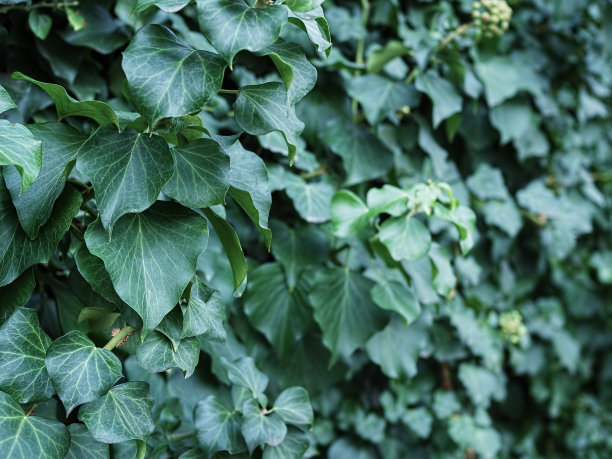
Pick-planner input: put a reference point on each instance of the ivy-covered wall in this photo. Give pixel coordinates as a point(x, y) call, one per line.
point(305, 228)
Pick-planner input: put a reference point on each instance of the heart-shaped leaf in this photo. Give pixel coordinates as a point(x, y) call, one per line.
point(218, 427)
point(166, 77)
point(293, 405)
point(80, 371)
point(405, 237)
point(19, 148)
point(157, 354)
point(84, 446)
point(258, 427)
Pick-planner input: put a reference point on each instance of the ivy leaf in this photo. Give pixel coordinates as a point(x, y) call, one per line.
point(16, 294)
point(17, 251)
point(310, 199)
point(80, 371)
point(294, 445)
point(380, 96)
point(167, 78)
point(60, 145)
point(40, 24)
point(232, 25)
point(315, 25)
point(293, 406)
point(218, 427)
point(231, 244)
point(204, 314)
point(23, 345)
point(145, 247)
point(124, 413)
point(29, 436)
point(303, 5)
point(378, 58)
point(349, 214)
point(6, 103)
point(20, 148)
point(168, 6)
point(83, 445)
point(446, 99)
point(405, 237)
point(264, 108)
point(93, 271)
point(128, 170)
point(344, 311)
point(395, 296)
point(65, 105)
point(259, 427)
point(396, 348)
point(200, 176)
point(249, 187)
point(157, 354)
point(355, 147)
point(244, 373)
point(280, 312)
point(298, 74)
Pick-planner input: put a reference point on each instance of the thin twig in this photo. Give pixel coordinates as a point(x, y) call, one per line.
point(124, 333)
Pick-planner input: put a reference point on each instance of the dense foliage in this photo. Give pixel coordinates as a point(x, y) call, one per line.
point(222, 236)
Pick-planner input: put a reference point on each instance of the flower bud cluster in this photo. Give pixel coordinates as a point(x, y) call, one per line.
point(512, 327)
point(491, 17)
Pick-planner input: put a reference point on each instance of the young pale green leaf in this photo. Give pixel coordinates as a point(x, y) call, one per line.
point(446, 99)
point(17, 251)
point(167, 78)
point(380, 96)
point(249, 187)
point(298, 74)
point(344, 311)
point(128, 170)
point(200, 176)
point(298, 248)
point(65, 105)
point(294, 445)
point(60, 145)
point(124, 413)
point(157, 354)
point(293, 406)
point(395, 296)
point(6, 103)
point(396, 349)
point(40, 24)
point(259, 427)
point(231, 244)
point(24, 436)
point(233, 25)
point(93, 271)
point(265, 108)
point(243, 372)
point(166, 238)
point(405, 237)
point(378, 58)
point(16, 294)
point(23, 345)
point(20, 148)
point(84, 446)
point(315, 25)
point(349, 214)
point(80, 371)
point(217, 427)
point(355, 147)
point(281, 313)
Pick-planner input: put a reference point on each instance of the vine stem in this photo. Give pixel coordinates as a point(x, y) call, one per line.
point(77, 232)
point(454, 34)
point(53, 5)
point(229, 91)
point(320, 171)
point(181, 436)
point(123, 333)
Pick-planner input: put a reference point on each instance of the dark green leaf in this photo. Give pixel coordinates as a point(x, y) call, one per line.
point(93, 271)
point(6, 103)
point(23, 346)
point(16, 294)
point(243, 372)
point(168, 78)
point(143, 249)
point(60, 145)
point(259, 427)
point(19, 147)
point(349, 214)
point(127, 170)
point(315, 25)
point(169, 6)
point(157, 354)
point(65, 105)
point(84, 446)
point(233, 25)
point(17, 251)
point(446, 100)
point(40, 23)
point(405, 237)
point(395, 296)
point(23, 436)
point(293, 406)
point(80, 371)
point(344, 310)
point(264, 108)
point(294, 445)
point(310, 199)
point(200, 176)
point(124, 413)
point(217, 427)
point(303, 5)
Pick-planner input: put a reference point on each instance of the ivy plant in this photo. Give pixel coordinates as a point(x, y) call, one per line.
point(221, 236)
